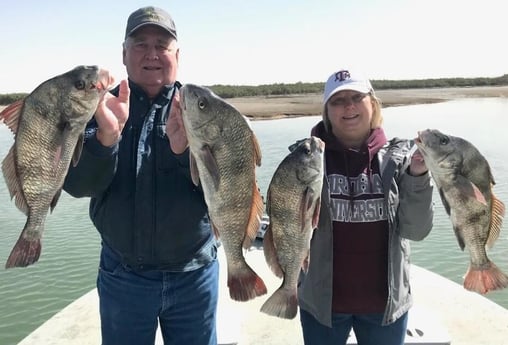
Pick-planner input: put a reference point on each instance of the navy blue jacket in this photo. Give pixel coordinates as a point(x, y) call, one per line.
point(143, 201)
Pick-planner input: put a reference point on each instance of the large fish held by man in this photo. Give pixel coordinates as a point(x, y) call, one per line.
point(464, 180)
point(293, 205)
point(224, 153)
point(49, 128)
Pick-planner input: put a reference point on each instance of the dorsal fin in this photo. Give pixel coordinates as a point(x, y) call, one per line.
point(10, 115)
point(257, 150)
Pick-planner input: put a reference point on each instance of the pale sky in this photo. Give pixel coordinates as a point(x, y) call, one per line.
point(262, 41)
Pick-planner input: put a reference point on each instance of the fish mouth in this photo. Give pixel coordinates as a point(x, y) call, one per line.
point(104, 82)
point(321, 146)
point(418, 138)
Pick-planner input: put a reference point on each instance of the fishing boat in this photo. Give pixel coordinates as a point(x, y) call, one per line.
point(443, 313)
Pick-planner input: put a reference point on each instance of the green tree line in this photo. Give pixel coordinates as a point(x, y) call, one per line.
point(280, 89)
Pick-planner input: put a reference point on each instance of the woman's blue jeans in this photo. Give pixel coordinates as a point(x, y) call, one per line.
point(367, 328)
point(133, 303)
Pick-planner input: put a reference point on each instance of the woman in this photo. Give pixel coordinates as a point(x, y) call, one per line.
point(376, 197)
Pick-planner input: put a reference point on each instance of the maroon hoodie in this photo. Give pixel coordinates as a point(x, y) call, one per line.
point(360, 226)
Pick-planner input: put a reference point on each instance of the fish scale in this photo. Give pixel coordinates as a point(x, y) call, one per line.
point(49, 126)
point(224, 153)
point(465, 181)
point(293, 206)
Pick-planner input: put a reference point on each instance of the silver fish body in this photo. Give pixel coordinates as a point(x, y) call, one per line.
point(464, 180)
point(224, 154)
point(293, 206)
point(48, 126)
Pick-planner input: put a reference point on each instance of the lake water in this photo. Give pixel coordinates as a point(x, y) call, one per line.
point(68, 264)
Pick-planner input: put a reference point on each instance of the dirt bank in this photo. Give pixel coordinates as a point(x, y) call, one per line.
point(270, 107)
point(259, 108)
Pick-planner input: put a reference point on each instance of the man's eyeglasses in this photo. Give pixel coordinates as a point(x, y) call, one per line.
point(344, 101)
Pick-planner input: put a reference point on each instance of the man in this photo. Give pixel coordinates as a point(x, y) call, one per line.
point(158, 260)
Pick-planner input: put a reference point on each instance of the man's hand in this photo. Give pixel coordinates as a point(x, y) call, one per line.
point(175, 129)
point(111, 115)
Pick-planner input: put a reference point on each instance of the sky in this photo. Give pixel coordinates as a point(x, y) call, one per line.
point(255, 42)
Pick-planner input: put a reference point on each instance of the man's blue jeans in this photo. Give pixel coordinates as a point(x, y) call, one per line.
point(367, 328)
point(132, 304)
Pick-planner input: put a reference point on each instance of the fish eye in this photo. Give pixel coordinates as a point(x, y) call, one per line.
point(202, 103)
point(444, 140)
point(80, 85)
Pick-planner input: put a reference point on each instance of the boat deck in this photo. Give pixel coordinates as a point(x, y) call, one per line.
point(444, 313)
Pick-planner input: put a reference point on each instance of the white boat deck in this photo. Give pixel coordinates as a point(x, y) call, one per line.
point(444, 313)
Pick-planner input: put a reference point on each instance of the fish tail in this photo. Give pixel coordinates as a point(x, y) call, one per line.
point(484, 279)
point(24, 253)
point(282, 303)
point(245, 285)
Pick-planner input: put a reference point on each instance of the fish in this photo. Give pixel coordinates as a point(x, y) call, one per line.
point(465, 183)
point(224, 153)
point(293, 205)
point(48, 126)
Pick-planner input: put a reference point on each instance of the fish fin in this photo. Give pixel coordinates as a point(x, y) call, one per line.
point(305, 205)
point(77, 150)
point(315, 215)
point(257, 150)
point(444, 201)
point(55, 199)
point(194, 169)
point(268, 199)
point(215, 231)
point(24, 252)
point(271, 253)
point(282, 303)
point(13, 182)
point(460, 238)
point(57, 157)
point(496, 221)
point(306, 262)
point(244, 284)
point(485, 279)
point(478, 195)
point(211, 165)
point(256, 213)
point(11, 115)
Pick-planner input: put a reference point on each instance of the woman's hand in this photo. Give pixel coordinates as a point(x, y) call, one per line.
point(417, 166)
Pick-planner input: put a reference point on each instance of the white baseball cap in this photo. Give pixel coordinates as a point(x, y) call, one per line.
point(345, 80)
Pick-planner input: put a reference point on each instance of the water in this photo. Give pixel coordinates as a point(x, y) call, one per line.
point(68, 264)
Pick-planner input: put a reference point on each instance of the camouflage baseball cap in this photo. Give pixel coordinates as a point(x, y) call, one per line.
point(150, 16)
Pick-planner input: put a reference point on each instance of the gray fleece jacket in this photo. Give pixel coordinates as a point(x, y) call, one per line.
point(410, 214)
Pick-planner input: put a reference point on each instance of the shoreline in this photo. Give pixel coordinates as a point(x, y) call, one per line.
point(286, 106)
point(275, 107)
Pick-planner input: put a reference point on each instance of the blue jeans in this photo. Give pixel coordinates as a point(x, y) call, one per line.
point(367, 328)
point(133, 303)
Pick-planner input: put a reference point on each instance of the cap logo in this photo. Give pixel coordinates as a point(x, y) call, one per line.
point(153, 16)
point(342, 75)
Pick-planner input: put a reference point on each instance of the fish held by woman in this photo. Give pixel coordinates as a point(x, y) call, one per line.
point(464, 180)
point(224, 153)
point(293, 206)
point(49, 128)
